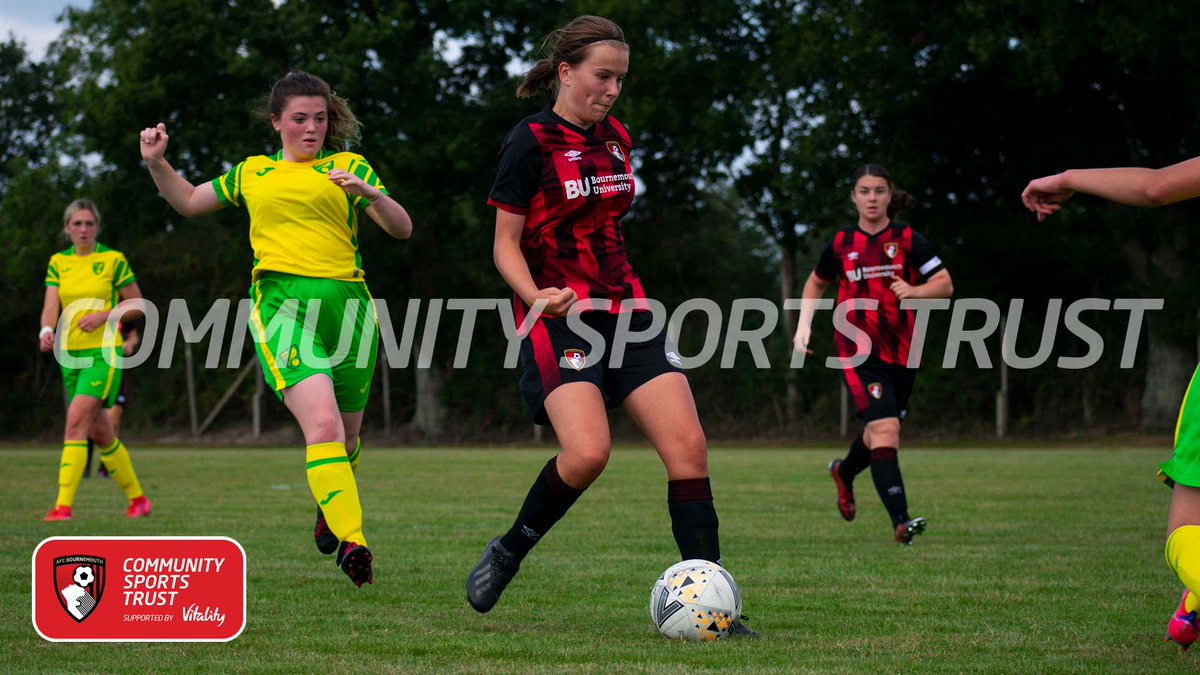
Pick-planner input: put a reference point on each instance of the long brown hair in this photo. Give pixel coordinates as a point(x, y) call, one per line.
point(570, 45)
point(344, 128)
point(900, 199)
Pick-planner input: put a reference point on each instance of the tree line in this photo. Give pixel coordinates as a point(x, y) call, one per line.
point(748, 117)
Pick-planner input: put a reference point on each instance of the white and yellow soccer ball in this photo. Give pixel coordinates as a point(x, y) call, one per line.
point(695, 600)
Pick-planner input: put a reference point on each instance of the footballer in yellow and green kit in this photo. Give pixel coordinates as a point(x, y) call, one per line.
point(1184, 465)
point(312, 310)
point(99, 277)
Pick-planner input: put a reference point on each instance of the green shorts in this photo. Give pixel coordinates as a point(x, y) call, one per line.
point(303, 326)
point(100, 380)
point(1184, 465)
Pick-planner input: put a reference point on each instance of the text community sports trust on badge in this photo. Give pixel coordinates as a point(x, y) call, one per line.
point(139, 589)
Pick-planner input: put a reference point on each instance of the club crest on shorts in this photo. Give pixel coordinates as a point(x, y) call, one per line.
point(615, 149)
point(875, 390)
point(890, 249)
point(78, 584)
point(575, 358)
point(287, 357)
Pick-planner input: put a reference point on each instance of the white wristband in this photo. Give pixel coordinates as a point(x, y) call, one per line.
point(46, 330)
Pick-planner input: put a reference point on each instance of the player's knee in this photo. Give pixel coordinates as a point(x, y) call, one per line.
point(687, 457)
point(323, 428)
point(585, 461)
point(884, 433)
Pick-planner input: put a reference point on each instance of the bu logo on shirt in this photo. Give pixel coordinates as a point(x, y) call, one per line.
point(890, 249)
point(97, 268)
point(575, 358)
point(854, 274)
point(577, 188)
point(79, 584)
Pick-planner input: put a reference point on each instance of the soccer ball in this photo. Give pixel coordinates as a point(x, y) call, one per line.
point(695, 600)
point(84, 576)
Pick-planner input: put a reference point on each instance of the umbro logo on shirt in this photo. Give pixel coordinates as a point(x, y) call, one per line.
point(572, 155)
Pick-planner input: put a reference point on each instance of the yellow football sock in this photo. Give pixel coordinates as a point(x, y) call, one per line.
point(1183, 557)
point(70, 471)
point(120, 468)
point(356, 454)
point(332, 483)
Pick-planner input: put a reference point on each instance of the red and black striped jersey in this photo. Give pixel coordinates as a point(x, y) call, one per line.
point(865, 265)
point(573, 186)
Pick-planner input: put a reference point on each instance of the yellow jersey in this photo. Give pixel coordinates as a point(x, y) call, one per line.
point(300, 222)
point(99, 275)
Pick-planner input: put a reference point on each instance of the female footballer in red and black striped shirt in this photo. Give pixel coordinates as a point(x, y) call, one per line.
point(563, 183)
point(881, 260)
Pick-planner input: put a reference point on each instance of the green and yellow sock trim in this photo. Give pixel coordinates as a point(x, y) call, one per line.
point(320, 454)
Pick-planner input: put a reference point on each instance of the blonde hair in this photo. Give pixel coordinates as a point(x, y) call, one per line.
point(81, 204)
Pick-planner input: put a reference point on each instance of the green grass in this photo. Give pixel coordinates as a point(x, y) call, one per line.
point(1034, 561)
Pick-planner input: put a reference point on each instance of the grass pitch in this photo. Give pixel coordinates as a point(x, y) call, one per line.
point(1034, 561)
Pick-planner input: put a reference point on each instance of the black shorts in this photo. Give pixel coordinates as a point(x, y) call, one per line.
point(880, 389)
point(552, 354)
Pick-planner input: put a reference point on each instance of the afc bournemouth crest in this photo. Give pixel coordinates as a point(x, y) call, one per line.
point(78, 584)
point(615, 149)
point(890, 249)
point(875, 390)
point(575, 358)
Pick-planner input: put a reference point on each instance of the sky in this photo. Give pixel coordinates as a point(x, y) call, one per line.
point(32, 22)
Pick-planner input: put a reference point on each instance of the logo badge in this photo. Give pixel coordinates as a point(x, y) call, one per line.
point(78, 584)
point(875, 390)
point(575, 358)
point(572, 155)
point(287, 357)
point(264, 172)
point(324, 168)
point(852, 256)
point(890, 249)
point(615, 149)
point(163, 589)
point(97, 268)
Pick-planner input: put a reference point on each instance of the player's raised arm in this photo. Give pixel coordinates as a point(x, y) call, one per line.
point(189, 200)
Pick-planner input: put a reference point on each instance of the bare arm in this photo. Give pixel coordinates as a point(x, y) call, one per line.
point(189, 200)
point(938, 286)
point(130, 306)
point(506, 252)
point(1130, 185)
point(50, 307)
point(814, 288)
point(385, 211)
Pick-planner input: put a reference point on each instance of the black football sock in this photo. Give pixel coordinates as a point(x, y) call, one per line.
point(694, 519)
point(857, 459)
point(87, 466)
point(547, 502)
point(885, 470)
